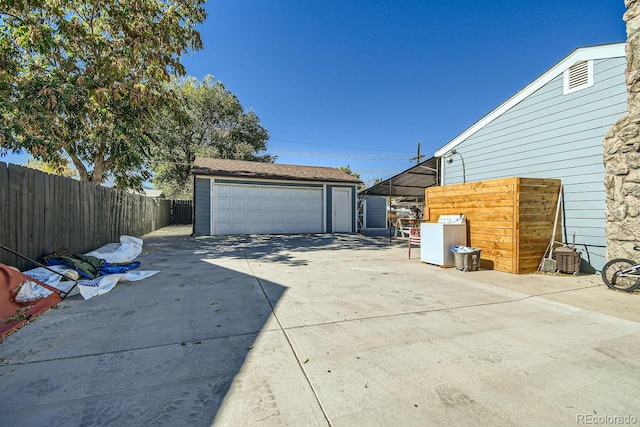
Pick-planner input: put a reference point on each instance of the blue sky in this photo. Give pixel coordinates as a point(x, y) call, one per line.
point(361, 82)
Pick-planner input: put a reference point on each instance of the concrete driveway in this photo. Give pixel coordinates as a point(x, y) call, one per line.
point(338, 330)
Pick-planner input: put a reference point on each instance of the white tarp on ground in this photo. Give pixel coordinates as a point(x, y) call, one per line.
point(125, 251)
point(90, 288)
point(30, 291)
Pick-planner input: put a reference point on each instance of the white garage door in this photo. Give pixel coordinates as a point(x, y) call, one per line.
point(260, 209)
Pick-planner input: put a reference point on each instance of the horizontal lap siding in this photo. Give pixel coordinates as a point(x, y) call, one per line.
point(551, 135)
point(376, 212)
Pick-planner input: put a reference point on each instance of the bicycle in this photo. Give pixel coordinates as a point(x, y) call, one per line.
point(622, 274)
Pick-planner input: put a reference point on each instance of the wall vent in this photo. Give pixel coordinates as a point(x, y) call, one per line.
point(578, 76)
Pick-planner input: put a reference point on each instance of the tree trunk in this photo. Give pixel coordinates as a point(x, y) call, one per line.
point(622, 154)
point(80, 167)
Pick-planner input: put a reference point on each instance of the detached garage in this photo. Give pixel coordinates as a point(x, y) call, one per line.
point(240, 197)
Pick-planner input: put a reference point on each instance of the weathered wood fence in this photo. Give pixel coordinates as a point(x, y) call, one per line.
point(40, 213)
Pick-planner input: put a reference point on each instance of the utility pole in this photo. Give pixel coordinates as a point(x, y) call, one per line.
point(417, 159)
point(419, 156)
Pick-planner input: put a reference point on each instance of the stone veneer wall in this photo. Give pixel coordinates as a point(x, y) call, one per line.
point(622, 154)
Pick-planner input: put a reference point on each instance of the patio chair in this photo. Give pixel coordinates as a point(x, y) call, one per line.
point(414, 238)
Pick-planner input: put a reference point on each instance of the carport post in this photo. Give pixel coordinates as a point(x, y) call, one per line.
point(389, 211)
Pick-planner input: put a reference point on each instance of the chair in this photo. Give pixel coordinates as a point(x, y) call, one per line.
point(414, 238)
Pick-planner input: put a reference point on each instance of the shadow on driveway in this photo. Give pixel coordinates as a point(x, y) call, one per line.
point(285, 249)
point(164, 350)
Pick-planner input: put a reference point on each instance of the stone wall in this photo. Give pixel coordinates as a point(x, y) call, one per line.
point(622, 154)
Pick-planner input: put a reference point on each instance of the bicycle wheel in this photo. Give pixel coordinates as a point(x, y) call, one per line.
point(610, 276)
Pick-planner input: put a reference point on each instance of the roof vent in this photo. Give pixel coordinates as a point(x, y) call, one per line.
point(578, 76)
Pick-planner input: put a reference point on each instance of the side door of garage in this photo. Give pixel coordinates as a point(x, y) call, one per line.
point(341, 203)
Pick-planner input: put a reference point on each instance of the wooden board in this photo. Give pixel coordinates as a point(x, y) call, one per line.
point(510, 219)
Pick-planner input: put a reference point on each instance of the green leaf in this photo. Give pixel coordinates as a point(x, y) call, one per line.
point(98, 70)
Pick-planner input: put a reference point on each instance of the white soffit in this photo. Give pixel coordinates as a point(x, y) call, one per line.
point(580, 54)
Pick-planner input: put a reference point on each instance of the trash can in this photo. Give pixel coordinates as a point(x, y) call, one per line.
point(568, 260)
point(466, 259)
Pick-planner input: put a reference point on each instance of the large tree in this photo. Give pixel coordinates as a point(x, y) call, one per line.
point(347, 170)
point(212, 123)
point(60, 168)
point(83, 78)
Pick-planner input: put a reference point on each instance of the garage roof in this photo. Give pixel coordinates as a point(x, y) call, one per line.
point(263, 170)
point(410, 183)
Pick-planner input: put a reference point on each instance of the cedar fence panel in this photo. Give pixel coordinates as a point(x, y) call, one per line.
point(510, 220)
point(40, 213)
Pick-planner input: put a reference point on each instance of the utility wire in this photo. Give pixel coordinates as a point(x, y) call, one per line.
point(332, 146)
point(341, 155)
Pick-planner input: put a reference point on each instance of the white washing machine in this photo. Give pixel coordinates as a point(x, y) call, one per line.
point(437, 239)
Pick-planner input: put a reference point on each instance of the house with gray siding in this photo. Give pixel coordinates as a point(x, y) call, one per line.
point(240, 197)
point(552, 128)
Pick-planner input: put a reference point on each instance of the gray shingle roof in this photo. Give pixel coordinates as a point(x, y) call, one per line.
point(241, 168)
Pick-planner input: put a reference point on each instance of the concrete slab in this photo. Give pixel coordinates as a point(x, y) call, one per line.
point(336, 330)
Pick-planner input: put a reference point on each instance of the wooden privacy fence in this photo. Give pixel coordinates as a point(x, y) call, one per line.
point(40, 213)
point(510, 220)
point(181, 212)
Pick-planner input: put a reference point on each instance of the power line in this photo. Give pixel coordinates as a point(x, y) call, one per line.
point(340, 155)
point(374, 171)
point(332, 146)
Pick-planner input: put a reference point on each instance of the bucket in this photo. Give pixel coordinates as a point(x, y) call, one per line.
point(467, 261)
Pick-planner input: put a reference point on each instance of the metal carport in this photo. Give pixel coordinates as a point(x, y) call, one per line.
point(409, 183)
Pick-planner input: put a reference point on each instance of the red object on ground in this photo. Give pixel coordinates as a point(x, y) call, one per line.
point(414, 237)
point(10, 282)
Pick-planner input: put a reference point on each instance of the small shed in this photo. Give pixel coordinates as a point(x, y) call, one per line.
point(372, 212)
point(510, 219)
point(242, 197)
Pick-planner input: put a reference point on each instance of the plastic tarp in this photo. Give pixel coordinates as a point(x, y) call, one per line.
point(25, 295)
point(90, 288)
point(463, 249)
point(14, 314)
point(31, 290)
point(126, 251)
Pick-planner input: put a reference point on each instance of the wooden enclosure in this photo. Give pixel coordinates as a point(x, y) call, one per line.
point(510, 219)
